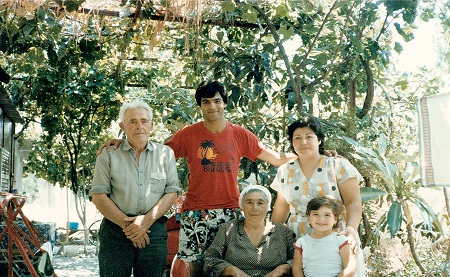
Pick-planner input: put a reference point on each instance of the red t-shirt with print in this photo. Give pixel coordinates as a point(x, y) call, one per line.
point(213, 161)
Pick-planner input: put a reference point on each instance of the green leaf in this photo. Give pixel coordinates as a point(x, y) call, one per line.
point(286, 32)
point(398, 47)
point(40, 15)
point(390, 168)
point(352, 141)
point(403, 84)
point(406, 36)
point(395, 216)
point(29, 27)
point(228, 6)
point(368, 194)
point(73, 5)
point(411, 173)
point(360, 148)
point(281, 11)
point(250, 16)
point(139, 52)
point(425, 216)
point(426, 211)
point(357, 44)
point(220, 35)
point(382, 144)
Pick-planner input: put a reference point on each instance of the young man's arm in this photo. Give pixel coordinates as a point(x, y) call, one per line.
point(275, 158)
point(114, 142)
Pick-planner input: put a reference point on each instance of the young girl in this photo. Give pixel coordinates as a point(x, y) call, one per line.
point(323, 253)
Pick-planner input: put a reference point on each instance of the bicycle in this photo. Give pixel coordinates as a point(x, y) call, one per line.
point(93, 232)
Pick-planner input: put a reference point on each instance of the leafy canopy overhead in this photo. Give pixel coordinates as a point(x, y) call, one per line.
point(73, 61)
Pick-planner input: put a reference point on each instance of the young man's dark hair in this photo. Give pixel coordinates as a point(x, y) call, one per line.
point(208, 89)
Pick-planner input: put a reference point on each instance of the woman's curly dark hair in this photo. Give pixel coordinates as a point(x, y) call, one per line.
point(311, 122)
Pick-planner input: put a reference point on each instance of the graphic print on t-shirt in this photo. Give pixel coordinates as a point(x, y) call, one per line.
point(207, 152)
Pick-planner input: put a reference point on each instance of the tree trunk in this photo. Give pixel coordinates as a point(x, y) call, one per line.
point(352, 96)
point(370, 89)
point(410, 238)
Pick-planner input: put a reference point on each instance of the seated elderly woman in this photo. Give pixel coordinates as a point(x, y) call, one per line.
point(252, 245)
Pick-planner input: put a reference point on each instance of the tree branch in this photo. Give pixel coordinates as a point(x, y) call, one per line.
point(179, 19)
point(283, 54)
point(370, 89)
point(313, 43)
point(298, 68)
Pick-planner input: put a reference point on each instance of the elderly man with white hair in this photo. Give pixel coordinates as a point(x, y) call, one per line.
point(133, 187)
point(252, 245)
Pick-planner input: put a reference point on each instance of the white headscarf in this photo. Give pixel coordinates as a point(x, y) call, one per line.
point(251, 188)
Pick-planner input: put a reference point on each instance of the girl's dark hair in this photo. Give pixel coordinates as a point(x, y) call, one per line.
point(324, 201)
point(208, 89)
point(314, 124)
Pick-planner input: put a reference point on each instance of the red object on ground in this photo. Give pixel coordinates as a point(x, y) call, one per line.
point(173, 230)
point(177, 267)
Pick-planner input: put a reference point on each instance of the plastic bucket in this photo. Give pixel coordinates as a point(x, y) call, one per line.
point(73, 225)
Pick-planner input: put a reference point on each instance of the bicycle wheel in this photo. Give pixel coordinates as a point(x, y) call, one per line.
point(93, 232)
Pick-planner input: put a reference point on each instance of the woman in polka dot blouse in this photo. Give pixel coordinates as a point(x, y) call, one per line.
point(314, 174)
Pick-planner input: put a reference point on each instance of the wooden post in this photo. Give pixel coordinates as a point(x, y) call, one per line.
point(67, 208)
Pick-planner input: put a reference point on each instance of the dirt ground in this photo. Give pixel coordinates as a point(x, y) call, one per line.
point(76, 266)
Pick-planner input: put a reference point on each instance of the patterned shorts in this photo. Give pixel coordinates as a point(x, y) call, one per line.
point(198, 229)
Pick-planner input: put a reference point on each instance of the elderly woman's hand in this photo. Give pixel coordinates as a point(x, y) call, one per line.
point(279, 271)
point(234, 271)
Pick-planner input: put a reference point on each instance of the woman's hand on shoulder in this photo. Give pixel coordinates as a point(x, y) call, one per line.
point(352, 237)
point(115, 142)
